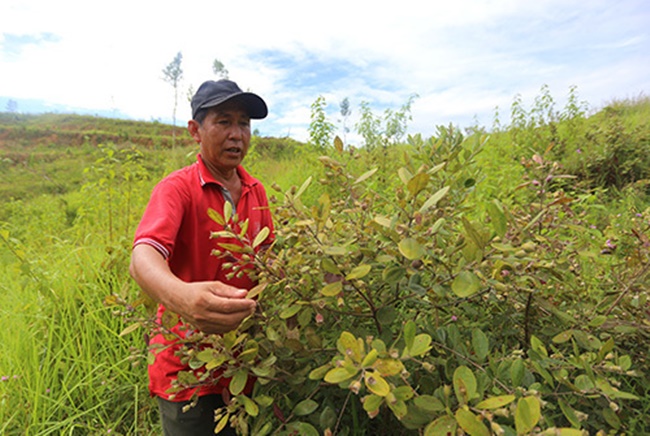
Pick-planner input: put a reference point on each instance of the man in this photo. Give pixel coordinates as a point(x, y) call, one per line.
point(172, 258)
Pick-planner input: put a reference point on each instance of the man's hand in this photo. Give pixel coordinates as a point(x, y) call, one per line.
point(214, 307)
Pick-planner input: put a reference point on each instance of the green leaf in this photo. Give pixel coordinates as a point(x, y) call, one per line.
point(471, 423)
point(434, 199)
point(496, 402)
point(329, 266)
point(611, 418)
point(335, 251)
point(445, 425)
point(411, 249)
point(261, 236)
point(563, 337)
point(302, 428)
point(464, 384)
point(517, 371)
point(527, 414)
point(428, 403)
point(480, 344)
point(238, 381)
point(332, 289)
point(290, 311)
point(497, 218)
point(365, 176)
point(263, 400)
point(569, 413)
point(305, 407)
point(393, 274)
point(250, 406)
point(465, 284)
point(319, 373)
point(409, 333)
point(421, 345)
point(358, 272)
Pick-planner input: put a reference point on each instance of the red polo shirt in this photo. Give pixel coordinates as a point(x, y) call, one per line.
point(176, 223)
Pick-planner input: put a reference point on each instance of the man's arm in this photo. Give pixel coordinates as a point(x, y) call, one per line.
point(212, 307)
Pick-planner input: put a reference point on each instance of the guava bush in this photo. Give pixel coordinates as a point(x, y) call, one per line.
point(424, 309)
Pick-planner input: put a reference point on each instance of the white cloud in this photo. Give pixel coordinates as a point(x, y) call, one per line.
point(462, 58)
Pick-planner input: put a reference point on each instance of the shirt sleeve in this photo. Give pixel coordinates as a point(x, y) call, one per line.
point(162, 218)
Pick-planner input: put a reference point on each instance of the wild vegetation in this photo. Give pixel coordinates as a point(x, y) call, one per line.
point(485, 281)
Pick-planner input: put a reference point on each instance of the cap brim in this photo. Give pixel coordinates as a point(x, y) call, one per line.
point(253, 103)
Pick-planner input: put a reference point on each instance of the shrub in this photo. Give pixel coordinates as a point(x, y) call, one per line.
point(410, 309)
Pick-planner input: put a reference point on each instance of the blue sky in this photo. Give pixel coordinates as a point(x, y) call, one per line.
point(462, 58)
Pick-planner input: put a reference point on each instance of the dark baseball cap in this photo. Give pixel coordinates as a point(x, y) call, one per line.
point(213, 93)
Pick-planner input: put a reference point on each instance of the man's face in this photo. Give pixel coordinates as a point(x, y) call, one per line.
point(224, 136)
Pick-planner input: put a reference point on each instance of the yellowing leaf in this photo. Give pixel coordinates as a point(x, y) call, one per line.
point(434, 199)
point(222, 423)
point(418, 183)
point(464, 384)
point(383, 221)
point(372, 402)
point(338, 375)
point(338, 144)
point(411, 249)
point(388, 367)
point(496, 402)
point(257, 290)
point(358, 272)
point(465, 284)
point(562, 337)
point(233, 248)
point(365, 176)
point(216, 216)
point(303, 187)
point(261, 236)
point(376, 384)
point(471, 423)
point(527, 414)
point(332, 289)
point(348, 345)
point(227, 211)
point(130, 329)
point(445, 425)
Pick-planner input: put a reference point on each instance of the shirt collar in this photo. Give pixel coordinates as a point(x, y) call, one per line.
point(206, 177)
